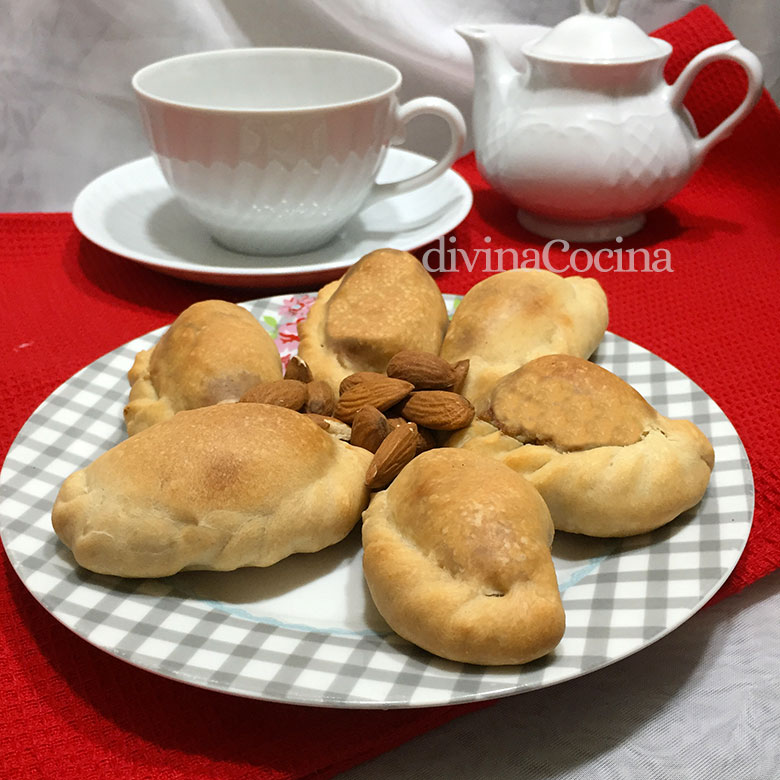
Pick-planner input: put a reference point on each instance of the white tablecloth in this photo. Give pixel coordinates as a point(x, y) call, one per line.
point(702, 703)
point(699, 704)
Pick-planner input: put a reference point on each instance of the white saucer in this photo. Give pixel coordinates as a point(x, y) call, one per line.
point(131, 211)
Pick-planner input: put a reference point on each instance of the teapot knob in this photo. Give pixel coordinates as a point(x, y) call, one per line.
point(610, 9)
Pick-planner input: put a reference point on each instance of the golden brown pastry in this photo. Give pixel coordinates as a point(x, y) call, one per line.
point(213, 352)
point(605, 461)
point(386, 302)
point(516, 316)
point(457, 559)
point(218, 487)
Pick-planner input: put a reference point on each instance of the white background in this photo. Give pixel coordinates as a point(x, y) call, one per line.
point(68, 113)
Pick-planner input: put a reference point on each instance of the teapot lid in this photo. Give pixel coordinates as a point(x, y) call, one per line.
point(597, 36)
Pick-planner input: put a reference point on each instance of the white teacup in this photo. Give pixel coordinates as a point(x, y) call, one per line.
point(274, 150)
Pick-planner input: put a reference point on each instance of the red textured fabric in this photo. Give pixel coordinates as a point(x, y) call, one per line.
point(69, 710)
point(66, 708)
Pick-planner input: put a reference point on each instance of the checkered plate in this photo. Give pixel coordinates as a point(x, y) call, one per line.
point(304, 631)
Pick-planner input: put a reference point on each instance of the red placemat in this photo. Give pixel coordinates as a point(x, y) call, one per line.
point(69, 710)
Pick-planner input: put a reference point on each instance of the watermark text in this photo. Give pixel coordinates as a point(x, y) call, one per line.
point(443, 258)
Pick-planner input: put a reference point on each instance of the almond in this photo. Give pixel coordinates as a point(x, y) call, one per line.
point(393, 454)
point(424, 370)
point(355, 379)
point(320, 398)
point(394, 412)
point(297, 368)
point(438, 409)
point(369, 428)
point(425, 439)
point(319, 419)
point(460, 370)
point(289, 393)
point(382, 393)
point(333, 426)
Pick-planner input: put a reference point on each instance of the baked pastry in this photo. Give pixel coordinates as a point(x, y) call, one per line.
point(218, 487)
point(386, 302)
point(213, 352)
point(456, 555)
point(515, 316)
point(605, 461)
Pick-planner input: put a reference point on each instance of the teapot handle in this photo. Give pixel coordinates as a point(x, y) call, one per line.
point(731, 50)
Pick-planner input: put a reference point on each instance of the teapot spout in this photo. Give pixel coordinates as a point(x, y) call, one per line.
point(495, 78)
point(490, 61)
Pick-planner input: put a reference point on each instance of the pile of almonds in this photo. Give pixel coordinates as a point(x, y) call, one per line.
point(394, 415)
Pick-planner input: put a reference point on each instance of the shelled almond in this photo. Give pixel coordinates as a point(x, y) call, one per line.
point(320, 398)
point(297, 368)
point(380, 393)
point(417, 396)
point(398, 449)
point(289, 393)
point(425, 436)
point(440, 410)
point(393, 415)
point(355, 379)
point(369, 428)
point(425, 439)
point(333, 426)
point(424, 370)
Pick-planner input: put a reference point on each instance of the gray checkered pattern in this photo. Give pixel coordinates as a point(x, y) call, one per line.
point(619, 595)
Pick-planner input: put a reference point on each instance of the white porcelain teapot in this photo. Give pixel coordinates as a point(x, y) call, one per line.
point(587, 135)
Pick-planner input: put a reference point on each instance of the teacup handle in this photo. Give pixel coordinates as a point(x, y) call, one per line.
point(731, 50)
point(407, 112)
